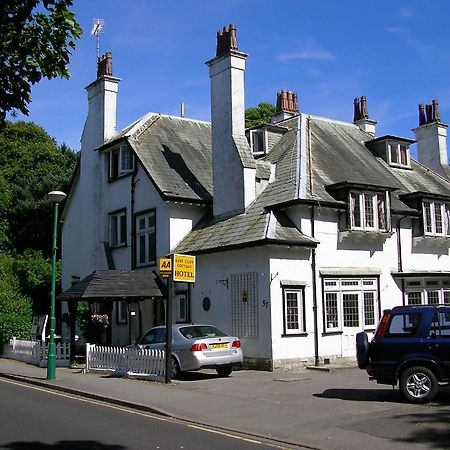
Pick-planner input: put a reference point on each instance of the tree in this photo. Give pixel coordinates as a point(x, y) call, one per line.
point(259, 114)
point(31, 165)
point(36, 41)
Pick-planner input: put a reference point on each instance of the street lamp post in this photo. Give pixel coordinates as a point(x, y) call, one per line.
point(56, 197)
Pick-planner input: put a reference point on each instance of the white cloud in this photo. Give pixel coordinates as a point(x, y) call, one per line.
point(309, 50)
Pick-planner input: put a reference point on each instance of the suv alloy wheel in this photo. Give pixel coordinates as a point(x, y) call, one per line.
point(418, 384)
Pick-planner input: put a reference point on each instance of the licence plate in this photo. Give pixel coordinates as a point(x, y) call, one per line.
point(218, 346)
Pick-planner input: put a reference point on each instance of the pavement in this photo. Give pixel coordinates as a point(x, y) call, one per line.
point(331, 408)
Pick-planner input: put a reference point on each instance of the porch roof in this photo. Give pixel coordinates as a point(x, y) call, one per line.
point(114, 285)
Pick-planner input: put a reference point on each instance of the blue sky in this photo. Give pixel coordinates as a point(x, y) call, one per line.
point(397, 53)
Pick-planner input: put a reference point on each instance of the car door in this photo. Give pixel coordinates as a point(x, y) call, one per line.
point(439, 340)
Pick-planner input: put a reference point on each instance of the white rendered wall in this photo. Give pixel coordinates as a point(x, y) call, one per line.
point(227, 118)
point(212, 272)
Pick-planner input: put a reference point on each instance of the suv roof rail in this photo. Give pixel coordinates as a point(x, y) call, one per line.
point(436, 305)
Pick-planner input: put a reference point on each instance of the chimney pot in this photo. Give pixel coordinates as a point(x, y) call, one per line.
point(422, 119)
point(429, 113)
point(436, 114)
point(364, 110)
point(356, 110)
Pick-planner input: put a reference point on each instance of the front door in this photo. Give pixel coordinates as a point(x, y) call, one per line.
point(351, 321)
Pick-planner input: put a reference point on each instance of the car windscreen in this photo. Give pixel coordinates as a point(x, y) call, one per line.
point(201, 332)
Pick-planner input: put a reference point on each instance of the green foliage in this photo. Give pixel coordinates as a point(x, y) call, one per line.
point(15, 308)
point(37, 39)
point(34, 273)
point(259, 114)
point(31, 165)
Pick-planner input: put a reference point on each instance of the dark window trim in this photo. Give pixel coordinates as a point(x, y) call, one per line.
point(332, 333)
point(134, 262)
point(294, 335)
point(360, 276)
point(118, 320)
point(300, 288)
point(113, 213)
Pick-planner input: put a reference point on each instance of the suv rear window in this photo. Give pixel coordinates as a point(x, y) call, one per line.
point(403, 325)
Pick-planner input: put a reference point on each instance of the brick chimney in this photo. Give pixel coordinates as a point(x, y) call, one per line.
point(361, 116)
point(287, 106)
point(431, 137)
point(233, 163)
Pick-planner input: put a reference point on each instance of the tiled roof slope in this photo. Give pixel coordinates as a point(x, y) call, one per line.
point(176, 154)
point(254, 227)
point(339, 154)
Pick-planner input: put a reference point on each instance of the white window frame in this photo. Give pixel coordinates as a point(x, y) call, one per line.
point(359, 203)
point(298, 311)
point(148, 232)
point(253, 137)
point(431, 210)
point(125, 165)
point(394, 150)
point(425, 289)
point(337, 288)
point(118, 228)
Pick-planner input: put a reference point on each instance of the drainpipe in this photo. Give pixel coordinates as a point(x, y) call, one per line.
point(314, 285)
point(399, 255)
point(133, 183)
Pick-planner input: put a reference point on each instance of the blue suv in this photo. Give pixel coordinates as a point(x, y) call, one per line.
point(411, 347)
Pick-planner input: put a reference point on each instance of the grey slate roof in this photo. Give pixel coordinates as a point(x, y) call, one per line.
point(113, 285)
point(339, 154)
point(176, 154)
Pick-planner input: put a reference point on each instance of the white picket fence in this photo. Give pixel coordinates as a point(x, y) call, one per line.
point(35, 352)
point(138, 362)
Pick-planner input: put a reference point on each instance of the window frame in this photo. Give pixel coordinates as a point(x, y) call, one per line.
point(121, 312)
point(396, 157)
point(117, 157)
point(301, 311)
point(149, 261)
point(368, 210)
point(424, 289)
point(338, 287)
point(253, 134)
point(430, 215)
point(118, 228)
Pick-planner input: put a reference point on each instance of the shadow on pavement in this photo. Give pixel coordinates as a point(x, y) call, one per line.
point(67, 445)
point(430, 428)
point(363, 395)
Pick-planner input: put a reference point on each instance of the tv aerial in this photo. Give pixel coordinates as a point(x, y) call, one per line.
point(97, 28)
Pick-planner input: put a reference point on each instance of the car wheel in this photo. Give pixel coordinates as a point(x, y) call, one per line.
point(418, 384)
point(362, 350)
point(175, 371)
point(224, 371)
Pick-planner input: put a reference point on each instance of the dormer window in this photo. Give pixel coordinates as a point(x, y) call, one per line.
point(398, 154)
point(258, 142)
point(121, 162)
point(369, 211)
point(392, 149)
point(436, 218)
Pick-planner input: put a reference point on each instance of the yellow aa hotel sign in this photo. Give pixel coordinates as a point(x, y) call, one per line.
point(184, 268)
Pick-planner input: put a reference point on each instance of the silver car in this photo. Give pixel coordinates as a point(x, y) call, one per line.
point(196, 347)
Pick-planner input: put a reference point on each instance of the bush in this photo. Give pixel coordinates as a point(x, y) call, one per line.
point(15, 309)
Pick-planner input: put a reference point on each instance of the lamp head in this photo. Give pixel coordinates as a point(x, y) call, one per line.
point(56, 196)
